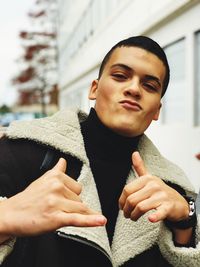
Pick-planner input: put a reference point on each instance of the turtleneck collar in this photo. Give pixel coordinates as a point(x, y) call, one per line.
point(103, 143)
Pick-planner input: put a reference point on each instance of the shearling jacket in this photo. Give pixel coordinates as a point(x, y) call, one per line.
point(62, 132)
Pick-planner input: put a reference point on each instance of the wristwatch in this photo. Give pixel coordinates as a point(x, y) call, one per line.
point(187, 223)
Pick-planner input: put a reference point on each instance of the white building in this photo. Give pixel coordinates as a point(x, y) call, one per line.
point(89, 28)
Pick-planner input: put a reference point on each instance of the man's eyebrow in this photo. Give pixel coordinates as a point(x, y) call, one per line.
point(123, 66)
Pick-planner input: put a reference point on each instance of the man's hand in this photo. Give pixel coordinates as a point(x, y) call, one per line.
point(50, 202)
point(149, 192)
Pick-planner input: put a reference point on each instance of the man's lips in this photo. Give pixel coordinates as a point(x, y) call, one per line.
point(129, 104)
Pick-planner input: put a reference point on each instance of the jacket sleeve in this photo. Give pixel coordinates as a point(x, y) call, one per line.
point(7, 246)
point(179, 256)
point(17, 171)
point(5, 191)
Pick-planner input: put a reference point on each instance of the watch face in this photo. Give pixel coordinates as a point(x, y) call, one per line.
point(192, 208)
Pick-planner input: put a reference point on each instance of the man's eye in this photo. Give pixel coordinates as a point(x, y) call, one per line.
point(119, 76)
point(150, 87)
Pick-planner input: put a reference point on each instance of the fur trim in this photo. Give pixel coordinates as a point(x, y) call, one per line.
point(89, 196)
point(6, 248)
point(159, 166)
point(58, 130)
point(178, 256)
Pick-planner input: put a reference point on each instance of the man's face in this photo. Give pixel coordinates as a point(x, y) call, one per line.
point(129, 91)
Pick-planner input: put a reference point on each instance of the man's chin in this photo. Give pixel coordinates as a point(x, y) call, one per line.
point(127, 131)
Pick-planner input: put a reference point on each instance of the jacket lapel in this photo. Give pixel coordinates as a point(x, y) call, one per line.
point(132, 238)
point(89, 195)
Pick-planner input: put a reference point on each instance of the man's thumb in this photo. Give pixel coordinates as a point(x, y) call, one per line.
point(61, 165)
point(138, 164)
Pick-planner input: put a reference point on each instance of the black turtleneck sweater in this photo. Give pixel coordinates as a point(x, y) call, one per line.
point(110, 159)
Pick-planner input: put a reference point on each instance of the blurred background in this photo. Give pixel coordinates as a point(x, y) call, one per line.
point(54, 49)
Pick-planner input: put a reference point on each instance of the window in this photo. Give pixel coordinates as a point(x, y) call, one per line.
point(174, 101)
point(197, 80)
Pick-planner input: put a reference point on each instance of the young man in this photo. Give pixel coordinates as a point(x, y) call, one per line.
point(58, 175)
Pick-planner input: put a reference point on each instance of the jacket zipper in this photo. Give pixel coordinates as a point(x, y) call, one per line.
point(86, 242)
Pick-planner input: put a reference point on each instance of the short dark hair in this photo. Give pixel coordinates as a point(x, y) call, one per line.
point(145, 43)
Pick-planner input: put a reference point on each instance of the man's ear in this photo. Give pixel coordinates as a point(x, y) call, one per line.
point(157, 114)
point(93, 90)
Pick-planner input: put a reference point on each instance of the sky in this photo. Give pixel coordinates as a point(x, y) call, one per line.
point(13, 19)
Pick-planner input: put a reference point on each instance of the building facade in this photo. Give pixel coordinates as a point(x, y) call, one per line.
point(87, 29)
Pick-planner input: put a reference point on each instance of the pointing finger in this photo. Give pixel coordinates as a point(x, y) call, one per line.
point(138, 164)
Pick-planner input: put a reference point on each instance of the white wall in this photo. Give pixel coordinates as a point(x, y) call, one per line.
point(180, 143)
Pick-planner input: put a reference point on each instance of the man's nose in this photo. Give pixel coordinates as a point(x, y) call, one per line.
point(133, 89)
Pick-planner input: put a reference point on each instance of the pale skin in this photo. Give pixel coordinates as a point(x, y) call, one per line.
point(50, 202)
point(127, 98)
